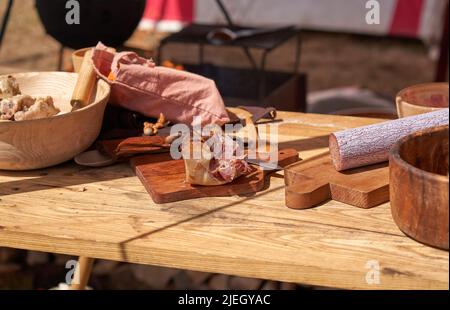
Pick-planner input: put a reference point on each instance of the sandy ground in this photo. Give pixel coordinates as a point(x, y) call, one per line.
point(331, 60)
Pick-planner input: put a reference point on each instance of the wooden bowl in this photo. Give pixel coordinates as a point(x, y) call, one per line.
point(422, 98)
point(78, 56)
point(418, 167)
point(46, 142)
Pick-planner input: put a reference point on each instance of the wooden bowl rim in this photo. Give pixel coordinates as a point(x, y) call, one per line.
point(394, 155)
point(65, 115)
point(399, 97)
point(80, 52)
point(423, 108)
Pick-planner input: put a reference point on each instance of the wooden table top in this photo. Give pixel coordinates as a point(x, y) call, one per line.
point(106, 213)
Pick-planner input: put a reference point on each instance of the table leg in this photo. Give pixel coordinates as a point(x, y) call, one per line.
point(5, 20)
point(82, 273)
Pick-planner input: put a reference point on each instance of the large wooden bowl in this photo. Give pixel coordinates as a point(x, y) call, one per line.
point(422, 98)
point(46, 142)
point(419, 186)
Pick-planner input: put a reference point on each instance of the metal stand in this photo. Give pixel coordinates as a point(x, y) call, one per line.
point(230, 22)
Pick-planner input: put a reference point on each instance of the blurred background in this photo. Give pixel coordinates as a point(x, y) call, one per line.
point(330, 61)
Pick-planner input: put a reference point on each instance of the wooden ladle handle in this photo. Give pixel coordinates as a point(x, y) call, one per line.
point(85, 83)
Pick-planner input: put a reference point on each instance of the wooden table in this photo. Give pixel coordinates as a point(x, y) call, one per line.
point(106, 213)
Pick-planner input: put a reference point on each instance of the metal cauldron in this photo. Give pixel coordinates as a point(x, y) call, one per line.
point(111, 21)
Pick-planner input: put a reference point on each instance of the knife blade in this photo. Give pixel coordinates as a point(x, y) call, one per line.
point(265, 165)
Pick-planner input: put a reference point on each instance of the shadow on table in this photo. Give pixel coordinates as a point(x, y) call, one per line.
point(62, 176)
point(122, 244)
point(306, 144)
point(70, 174)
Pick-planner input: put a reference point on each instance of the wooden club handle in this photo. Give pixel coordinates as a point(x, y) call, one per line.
point(84, 88)
point(369, 145)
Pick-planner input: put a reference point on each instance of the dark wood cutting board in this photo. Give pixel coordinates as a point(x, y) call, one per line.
point(315, 180)
point(164, 178)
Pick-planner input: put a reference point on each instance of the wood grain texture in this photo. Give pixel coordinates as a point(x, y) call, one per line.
point(314, 181)
point(371, 144)
point(78, 57)
point(45, 142)
point(165, 178)
point(107, 213)
point(86, 81)
point(419, 186)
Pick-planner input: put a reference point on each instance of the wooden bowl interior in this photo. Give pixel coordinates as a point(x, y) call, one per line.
point(428, 152)
point(58, 85)
point(434, 95)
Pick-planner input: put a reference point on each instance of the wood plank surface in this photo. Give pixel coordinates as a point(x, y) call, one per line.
point(107, 213)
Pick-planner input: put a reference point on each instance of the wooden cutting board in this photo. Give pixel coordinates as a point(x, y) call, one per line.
point(315, 180)
point(164, 178)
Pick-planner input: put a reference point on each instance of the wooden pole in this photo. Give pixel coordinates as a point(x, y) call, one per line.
point(442, 65)
point(82, 273)
point(5, 20)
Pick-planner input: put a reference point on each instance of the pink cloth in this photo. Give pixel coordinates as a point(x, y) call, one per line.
point(142, 87)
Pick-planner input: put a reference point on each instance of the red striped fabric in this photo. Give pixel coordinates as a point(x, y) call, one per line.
point(178, 10)
point(407, 17)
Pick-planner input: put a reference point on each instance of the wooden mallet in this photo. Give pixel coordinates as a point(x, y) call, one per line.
point(85, 86)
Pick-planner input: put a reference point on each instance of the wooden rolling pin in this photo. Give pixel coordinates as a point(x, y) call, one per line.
point(85, 84)
point(368, 145)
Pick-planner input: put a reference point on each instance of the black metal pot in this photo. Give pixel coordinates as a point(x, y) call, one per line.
point(109, 21)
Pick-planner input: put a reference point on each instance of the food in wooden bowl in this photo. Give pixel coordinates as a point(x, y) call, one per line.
point(38, 143)
point(422, 98)
point(8, 87)
point(419, 186)
point(15, 106)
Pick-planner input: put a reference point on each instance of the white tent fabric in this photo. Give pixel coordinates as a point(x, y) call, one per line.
point(348, 15)
point(411, 18)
